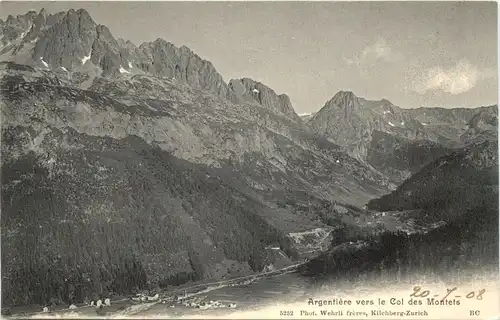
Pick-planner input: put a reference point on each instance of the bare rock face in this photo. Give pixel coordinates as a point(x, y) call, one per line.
point(253, 91)
point(66, 42)
point(163, 59)
point(399, 142)
point(482, 126)
point(15, 27)
point(72, 39)
point(143, 159)
point(350, 121)
point(155, 154)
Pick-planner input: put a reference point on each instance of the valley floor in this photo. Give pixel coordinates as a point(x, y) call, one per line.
point(126, 307)
point(273, 290)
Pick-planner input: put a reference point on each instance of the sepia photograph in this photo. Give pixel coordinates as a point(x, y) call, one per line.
point(249, 159)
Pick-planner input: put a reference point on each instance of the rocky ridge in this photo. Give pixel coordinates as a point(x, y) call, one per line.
point(112, 156)
point(73, 42)
point(350, 122)
point(251, 90)
point(115, 143)
point(397, 141)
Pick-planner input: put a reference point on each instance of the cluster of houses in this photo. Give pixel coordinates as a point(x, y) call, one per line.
point(140, 297)
point(212, 304)
point(194, 303)
point(98, 304)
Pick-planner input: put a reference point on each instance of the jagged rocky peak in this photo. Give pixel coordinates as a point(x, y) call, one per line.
point(104, 34)
point(349, 121)
point(106, 54)
point(251, 90)
point(163, 59)
point(67, 41)
point(126, 44)
point(16, 27)
point(344, 96)
point(345, 104)
point(349, 101)
point(72, 40)
point(345, 99)
point(39, 22)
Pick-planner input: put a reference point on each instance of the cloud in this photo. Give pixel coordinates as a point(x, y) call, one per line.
point(380, 51)
point(455, 80)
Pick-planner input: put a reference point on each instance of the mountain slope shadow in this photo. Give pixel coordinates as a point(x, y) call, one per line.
point(84, 215)
point(456, 196)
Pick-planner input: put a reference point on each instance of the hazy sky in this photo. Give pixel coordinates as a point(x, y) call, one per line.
point(411, 53)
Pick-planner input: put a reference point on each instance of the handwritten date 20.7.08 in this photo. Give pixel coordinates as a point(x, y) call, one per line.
point(419, 293)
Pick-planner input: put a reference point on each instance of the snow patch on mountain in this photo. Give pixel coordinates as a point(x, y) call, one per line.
point(86, 58)
point(123, 70)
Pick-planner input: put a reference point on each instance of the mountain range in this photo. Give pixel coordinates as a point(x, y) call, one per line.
point(129, 166)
